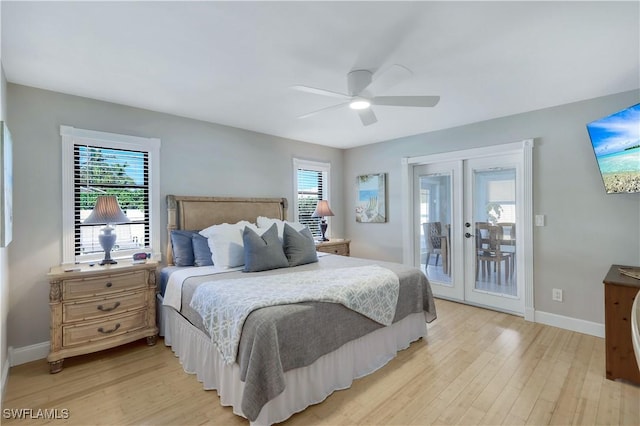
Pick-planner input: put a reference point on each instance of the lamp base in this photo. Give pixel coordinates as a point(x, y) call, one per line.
point(107, 240)
point(323, 229)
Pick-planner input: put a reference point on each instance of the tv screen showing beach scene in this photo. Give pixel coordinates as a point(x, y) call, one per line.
point(616, 143)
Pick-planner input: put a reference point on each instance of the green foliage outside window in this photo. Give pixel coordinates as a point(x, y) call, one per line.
point(306, 207)
point(101, 174)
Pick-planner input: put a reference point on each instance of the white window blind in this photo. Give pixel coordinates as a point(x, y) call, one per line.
point(311, 185)
point(105, 171)
point(99, 163)
point(309, 193)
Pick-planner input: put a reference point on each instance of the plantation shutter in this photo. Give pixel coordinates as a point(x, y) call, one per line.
point(106, 171)
point(310, 191)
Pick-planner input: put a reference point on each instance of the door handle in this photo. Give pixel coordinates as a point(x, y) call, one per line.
point(468, 235)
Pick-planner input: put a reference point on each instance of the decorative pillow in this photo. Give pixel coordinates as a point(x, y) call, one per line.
point(182, 247)
point(201, 252)
point(299, 246)
point(225, 243)
point(263, 252)
point(266, 222)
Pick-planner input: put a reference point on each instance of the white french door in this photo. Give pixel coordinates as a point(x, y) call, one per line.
point(436, 221)
point(468, 222)
point(491, 212)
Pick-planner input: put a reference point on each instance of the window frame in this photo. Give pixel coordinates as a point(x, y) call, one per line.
point(318, 166)
point(72, 136)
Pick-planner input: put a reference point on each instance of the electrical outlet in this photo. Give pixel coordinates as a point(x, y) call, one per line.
point(557, 295)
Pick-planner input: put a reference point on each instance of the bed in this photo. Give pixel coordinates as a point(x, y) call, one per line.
point(288, 356)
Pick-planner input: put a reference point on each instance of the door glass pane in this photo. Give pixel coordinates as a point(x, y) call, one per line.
point(494, 213)
point(435, 229)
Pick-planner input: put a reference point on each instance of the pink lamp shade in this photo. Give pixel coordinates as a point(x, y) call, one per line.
point(322, 210)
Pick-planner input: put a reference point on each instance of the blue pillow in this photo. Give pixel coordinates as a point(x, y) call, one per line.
point(263, 252)
point(299, 246)
point(201, 250)
point(182, 247)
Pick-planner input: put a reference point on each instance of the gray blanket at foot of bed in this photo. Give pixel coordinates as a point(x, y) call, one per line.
point(277, 339)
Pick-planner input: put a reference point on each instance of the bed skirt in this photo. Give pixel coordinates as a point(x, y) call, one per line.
point(304, 386)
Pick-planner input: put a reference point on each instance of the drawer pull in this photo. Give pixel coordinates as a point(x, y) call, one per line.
point(109, 284)
point(103, 331)
point(103, 309)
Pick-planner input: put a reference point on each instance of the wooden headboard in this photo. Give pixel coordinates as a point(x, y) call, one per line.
point(196, 213)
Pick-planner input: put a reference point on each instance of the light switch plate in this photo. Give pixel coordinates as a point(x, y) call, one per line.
point(539, 220)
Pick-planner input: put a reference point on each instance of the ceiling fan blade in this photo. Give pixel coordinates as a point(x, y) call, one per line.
point(358, 80)
point(367, 116)
point(322, 92)
point(318, 111)
point(409, 101)
point(389, 77)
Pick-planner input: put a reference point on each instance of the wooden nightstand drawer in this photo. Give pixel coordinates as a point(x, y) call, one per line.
point(101, 307)
point(86, 287)
point(339, 247)
point(91, 331)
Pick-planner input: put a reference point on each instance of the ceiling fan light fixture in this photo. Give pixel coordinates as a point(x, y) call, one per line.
point(362, 89)
point(360, 104)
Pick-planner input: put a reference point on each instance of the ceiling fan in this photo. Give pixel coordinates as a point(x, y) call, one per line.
point(361, 84)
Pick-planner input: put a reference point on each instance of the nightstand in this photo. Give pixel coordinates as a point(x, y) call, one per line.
point(337, 246)
point(99, 307)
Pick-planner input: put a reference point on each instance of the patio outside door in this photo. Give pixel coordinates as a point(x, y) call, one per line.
point(466, 221)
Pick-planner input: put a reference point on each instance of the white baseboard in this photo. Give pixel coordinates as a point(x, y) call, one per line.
point(26, 354)
point(568, 323)
point(530, 314)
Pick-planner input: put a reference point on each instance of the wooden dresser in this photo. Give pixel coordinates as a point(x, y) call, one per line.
point(99, 307)
point(619, 292)
point(337, 246)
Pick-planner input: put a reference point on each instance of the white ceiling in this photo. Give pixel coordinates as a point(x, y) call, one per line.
point(233, 62)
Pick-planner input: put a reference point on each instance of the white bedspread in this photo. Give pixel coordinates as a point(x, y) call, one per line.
point(225, 304)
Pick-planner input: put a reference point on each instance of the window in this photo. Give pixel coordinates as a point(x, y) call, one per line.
point(98, 163)
point(501, 196)
point(311, 185)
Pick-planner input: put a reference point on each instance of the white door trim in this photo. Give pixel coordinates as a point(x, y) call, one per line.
point(524, 148)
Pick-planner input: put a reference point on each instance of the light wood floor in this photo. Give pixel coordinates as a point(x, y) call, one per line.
point(475, 367)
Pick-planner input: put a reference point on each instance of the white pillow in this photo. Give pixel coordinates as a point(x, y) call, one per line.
point(266, 222)
point(225, 243)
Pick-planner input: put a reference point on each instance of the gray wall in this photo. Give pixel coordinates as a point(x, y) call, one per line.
point(196, 158)
point(587, 230)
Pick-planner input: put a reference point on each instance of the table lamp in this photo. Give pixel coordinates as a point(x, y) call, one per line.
point(106, 212)
point(323, 210)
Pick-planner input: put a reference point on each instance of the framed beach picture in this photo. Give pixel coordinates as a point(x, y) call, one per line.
point(371, 203)
point(6, 186)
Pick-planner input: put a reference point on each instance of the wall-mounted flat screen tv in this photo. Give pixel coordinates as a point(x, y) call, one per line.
point(616, 143)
